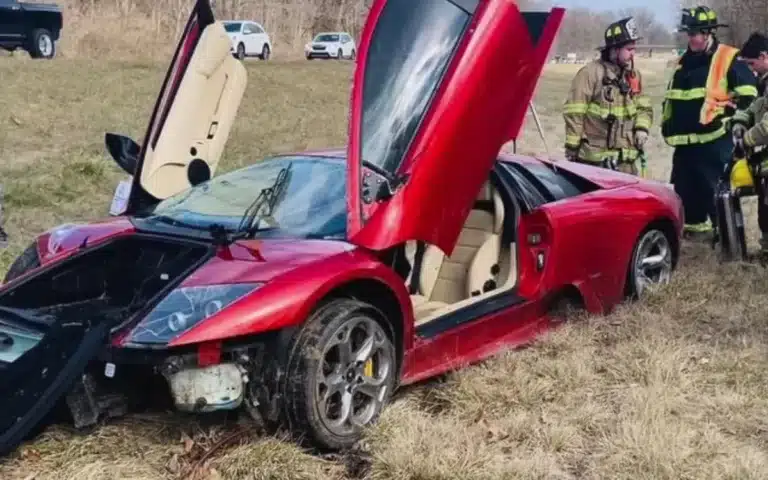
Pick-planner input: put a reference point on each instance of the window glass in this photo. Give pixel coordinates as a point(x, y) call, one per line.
point(312, 205)
point(408, 54)
point(327, 37)
point(233, 27)
point(555, 183)
point(528, 192)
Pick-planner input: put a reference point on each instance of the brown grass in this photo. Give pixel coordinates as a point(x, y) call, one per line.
point(672, 388)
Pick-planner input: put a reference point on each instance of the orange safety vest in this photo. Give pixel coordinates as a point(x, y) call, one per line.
point(717, 96)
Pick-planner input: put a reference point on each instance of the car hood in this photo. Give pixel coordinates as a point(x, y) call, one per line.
point(263, 260)
point(257, 260)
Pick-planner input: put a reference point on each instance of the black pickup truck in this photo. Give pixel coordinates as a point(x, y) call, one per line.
point(34, 27)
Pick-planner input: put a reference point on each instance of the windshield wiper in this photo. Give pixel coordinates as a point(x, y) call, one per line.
point(269, 196)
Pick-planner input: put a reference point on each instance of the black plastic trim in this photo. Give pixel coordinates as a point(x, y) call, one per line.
point(468, 6)
point(536, 22)
point(470, 313)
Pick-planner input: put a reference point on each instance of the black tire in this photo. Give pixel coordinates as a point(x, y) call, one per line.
point(41, 36)
point(301, 386)
point(265, 51)
point(28, 260)
point(354, 55)
point(340, 55)
point(631, 290)
point(240, 54)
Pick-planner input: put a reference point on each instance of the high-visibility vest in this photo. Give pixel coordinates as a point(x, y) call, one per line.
point(716, 97)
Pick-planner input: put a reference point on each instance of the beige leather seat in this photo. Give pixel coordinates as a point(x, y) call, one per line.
point(467, 272)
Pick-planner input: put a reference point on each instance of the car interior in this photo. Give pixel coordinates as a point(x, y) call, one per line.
point(190, 133)
point(481, 265)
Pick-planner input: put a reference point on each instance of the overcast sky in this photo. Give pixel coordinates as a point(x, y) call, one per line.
point(667, 10)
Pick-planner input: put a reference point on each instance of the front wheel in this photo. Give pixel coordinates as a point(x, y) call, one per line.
point(340, 373)
point(41, 44)
point(265, 52)
point(240, 51)
point(651, 263)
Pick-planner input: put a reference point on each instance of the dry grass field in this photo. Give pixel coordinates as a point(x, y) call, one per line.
point(673, 388)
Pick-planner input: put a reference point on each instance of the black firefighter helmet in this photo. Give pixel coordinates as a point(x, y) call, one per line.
point(699, 19)
point(620, 33)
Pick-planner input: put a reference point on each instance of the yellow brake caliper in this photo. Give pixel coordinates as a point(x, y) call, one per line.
point(368, 368)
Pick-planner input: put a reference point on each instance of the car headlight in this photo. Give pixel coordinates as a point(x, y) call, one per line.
point(184, 308)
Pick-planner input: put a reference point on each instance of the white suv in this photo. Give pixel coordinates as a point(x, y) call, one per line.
point(336, 45)
point(249, 39)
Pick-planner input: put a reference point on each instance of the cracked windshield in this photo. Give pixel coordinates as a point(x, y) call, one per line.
point(310, 203)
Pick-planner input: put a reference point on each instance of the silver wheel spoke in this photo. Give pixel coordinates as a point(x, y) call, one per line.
point(371, 388)
point(654, 262)
point(341, 342)
point(346, 398)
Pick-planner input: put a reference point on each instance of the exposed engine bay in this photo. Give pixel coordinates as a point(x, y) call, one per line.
point(56, 321)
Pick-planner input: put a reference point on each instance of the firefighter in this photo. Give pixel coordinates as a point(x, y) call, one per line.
point(607, 115)
point(754, 53)
point(707, 84)
point(749, 127)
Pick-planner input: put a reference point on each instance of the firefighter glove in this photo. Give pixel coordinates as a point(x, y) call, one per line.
point(571, 153)
point(641, 136)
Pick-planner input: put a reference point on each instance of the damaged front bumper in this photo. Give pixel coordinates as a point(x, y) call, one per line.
point(57, 319)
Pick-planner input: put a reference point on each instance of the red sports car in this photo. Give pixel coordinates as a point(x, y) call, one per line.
point(306, 287)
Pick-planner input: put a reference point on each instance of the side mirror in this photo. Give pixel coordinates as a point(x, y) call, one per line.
point(123, 150)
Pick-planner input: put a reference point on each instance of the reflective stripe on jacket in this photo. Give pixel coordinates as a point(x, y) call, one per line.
point(703, 89)
point(591, 104)
point(755, 118)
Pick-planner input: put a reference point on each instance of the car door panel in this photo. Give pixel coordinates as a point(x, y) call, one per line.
point(438, 89)
point(194, 113)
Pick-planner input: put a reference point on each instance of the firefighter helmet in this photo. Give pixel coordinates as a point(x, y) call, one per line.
point(620, 33)
point(699, 19)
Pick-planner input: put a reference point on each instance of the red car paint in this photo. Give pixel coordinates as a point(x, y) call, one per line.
point(479, 106)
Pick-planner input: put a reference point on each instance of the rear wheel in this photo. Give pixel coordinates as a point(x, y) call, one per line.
point(340, 373)
point(651, 263)
point(265, 52)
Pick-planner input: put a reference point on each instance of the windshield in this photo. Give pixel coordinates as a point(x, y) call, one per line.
point(312, 203)
point(232, 27)
point(327, 37)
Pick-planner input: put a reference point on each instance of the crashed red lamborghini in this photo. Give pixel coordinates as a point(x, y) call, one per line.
point(306, 287)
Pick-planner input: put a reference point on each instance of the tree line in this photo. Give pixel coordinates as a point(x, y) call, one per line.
point(150, 27)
